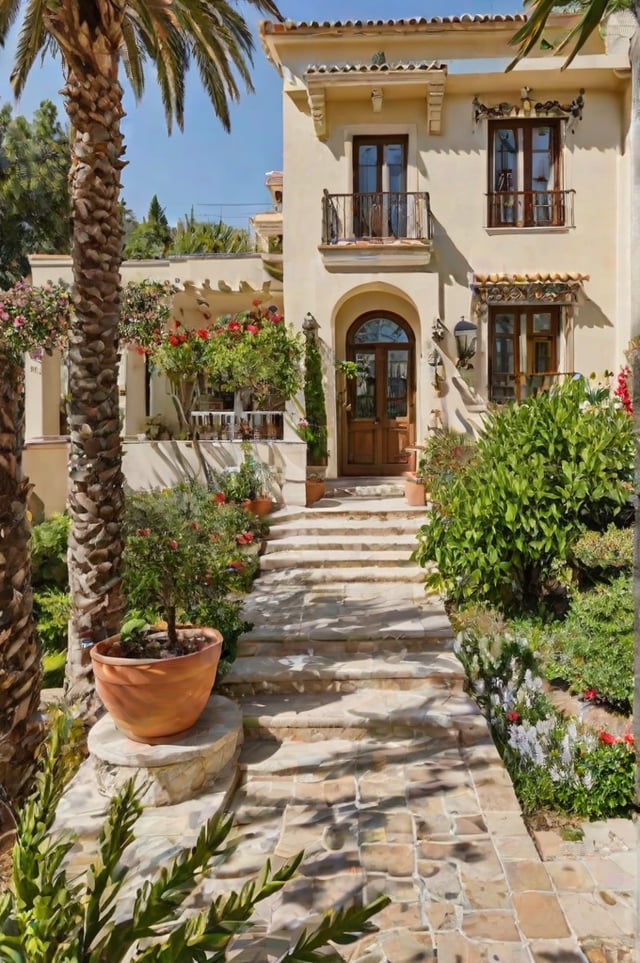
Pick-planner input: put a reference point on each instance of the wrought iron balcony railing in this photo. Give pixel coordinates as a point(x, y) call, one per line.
point(380, 216)
point(543, 208)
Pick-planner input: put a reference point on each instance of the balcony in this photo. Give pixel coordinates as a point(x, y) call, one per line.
point(542, 209)
point(386, 228)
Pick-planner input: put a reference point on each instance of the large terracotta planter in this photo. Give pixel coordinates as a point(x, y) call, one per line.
point(260, 506)
point(151, 699)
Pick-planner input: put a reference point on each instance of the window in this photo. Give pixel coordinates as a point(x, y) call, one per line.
point(525, 182)
point(380, 186)
point(523, 351)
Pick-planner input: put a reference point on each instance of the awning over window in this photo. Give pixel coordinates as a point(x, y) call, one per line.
point(527, 288)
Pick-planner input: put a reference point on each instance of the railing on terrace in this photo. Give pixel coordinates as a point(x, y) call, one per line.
point(543, 208)
point(380, 216)
point(242, 426)
point(510, 387)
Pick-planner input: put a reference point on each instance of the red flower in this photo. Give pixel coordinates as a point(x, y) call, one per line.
point(236, 566)
point(276, 318)
point(221, 498)
point(252, 329)
point(176, 323)
point(234, 326)
point(203, 334)
point(141, 350)
point(195, 526)
point(607, 738)
point(590, 694)
point(256, 303)
point(174, 340)
point(240, 539)
point(144, 532)
point(173, 544)
point(513, 716)
point(628, 737)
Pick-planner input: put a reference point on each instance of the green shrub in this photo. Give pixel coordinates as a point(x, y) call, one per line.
point(49, 552)
point(593, 647)
point(445, 454)
point(46, 915)
point(52, 609)
point(314, 403)
point(53, 668)
point(544, 471)
point(601, 555)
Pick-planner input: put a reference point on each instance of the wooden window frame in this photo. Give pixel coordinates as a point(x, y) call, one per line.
point(559, 216)
point(521, 375)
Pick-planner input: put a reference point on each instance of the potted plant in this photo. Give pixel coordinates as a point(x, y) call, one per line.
point(248, 484)
point(155, 680)
point(414, 489)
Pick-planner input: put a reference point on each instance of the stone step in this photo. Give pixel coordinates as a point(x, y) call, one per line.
point(313, 672)
point(346, 527)
point(368, 712)
point(271, 642)
point(355, 509)
point(336, 558)
point(340, 542)
point(275, 575)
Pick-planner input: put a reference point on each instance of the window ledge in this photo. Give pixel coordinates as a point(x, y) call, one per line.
point(564, 229)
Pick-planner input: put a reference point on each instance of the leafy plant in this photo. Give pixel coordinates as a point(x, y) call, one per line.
point(601, 555)
point(49, 542)
point(444, 455)
point(48, 917)
point(593, 647)
point(545, 470)
point(52, 609)
point(315, 403)
point(181, 552)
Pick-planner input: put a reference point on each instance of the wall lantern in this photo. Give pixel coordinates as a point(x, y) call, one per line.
point(465, 333)
point(310, 326)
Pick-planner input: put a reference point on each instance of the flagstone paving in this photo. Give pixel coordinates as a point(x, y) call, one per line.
point(362, 749)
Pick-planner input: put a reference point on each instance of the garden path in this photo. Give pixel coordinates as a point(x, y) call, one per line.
point(362, 749)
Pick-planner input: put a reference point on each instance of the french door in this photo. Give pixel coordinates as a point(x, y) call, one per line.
point(380, 186)
point(380, 400)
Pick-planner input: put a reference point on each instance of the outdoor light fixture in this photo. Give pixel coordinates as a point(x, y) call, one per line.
point(465, 333)
point(437, 330)
point(310, 326)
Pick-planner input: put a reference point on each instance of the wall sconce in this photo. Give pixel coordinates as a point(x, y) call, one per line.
point(465, 333)
point(437, 330)
point(310, 326)
point(376, 100)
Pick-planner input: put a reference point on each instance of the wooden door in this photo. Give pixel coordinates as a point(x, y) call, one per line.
point(379, 423)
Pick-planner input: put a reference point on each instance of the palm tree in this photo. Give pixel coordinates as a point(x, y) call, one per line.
point(95, 39)
point(593, 14)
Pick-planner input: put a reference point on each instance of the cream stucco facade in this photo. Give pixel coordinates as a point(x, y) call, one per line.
point(409, 122)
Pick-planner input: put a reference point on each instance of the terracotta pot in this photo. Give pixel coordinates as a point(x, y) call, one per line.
point(314, 490)
point(260, 506)
point(151, 699)
point(414, 492)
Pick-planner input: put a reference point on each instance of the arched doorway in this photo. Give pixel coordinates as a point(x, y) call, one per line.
point(379, 414)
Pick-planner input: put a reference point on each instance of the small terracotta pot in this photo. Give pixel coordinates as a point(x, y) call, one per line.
point(260, 506)
point(314, 490)
point(152, 699)
point(414, 492)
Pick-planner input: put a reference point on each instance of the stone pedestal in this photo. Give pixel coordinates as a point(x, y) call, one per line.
point(176, 770)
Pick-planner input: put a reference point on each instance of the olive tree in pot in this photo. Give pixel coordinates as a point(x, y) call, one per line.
point(155, 680)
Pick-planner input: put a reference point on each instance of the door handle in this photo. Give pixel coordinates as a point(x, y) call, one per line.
point(376, 421)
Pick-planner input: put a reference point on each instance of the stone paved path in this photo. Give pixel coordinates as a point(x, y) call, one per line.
point(362, 749)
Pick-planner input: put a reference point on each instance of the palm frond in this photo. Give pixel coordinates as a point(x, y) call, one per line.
point(9, 10)
point(531, 32)
point(32, 39)
point(133, 57)
point(595, 12)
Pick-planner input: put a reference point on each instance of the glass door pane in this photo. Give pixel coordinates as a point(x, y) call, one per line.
point(397, 386)
point(505, 155)
point(365, 385)
point(504, 361)
point(541, 177)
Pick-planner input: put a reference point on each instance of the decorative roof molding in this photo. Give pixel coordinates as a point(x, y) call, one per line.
point(373, 80)
point(527, 108)
point(561, 288)
point(318, 107)
point(291, 26)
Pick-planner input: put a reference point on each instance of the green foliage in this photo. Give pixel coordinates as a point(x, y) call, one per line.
point(314, 403)
point(554, 763)
point(593, 647)
point(545, 470)
point(152, 237)
point(53, 668)
point(48, 917)
point(52, 609)
point(34, 192)
point(182, 552)
point(208, 237)
point(601, 555)
point(445, 454)
point(49, 542)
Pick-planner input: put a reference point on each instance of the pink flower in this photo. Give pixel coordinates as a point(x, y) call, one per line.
point(234, 326)
point(513, 716)
point(252, 329)
point(173, 544)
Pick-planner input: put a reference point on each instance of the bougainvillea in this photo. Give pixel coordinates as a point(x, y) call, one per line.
point(145, 311)
point(33, 319)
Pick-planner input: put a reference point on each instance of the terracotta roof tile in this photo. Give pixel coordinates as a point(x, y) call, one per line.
point(291, 26)
point(566, 276)
point(373, 68)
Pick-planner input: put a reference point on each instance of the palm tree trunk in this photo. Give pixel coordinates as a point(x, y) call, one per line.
point(21, 727)
point(96, 499)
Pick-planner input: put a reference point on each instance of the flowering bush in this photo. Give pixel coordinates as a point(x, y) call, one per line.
point(33, 319)
point(554, 762)
point(145, 312)
point(181, 353)
point(182, 556)
point(622, 390)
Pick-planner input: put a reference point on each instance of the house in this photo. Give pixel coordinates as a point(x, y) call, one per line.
point(458, 232)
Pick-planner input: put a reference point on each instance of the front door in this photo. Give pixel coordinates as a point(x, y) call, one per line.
point(380, 400)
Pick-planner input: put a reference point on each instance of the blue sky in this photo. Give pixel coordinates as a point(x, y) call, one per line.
point(204, 166)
